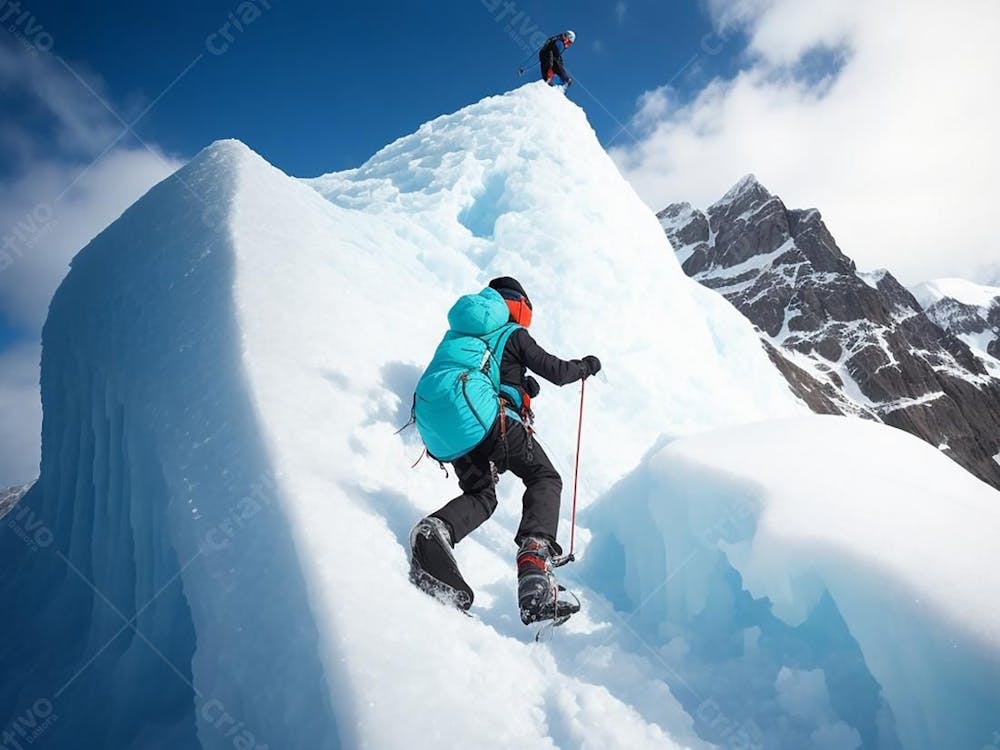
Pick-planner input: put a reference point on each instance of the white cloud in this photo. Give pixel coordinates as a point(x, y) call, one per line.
point(653, 106)
point(898, 148)
point(20, 415)
point(62, 191)
point(781, 31)
point(40, 234)
point(621, 9)
point(72, 175)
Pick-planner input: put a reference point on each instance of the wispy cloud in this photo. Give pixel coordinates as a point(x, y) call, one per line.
point(621, 9)
point(881, 116)
point(20, 415)
point(41, 232)
point(69, 171)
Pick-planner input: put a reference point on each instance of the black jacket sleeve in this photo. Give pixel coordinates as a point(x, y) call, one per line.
point(523, 352)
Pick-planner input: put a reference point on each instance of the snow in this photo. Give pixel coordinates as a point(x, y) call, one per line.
point(966, 292)
point(853, 391)
point(979, 343)
point(899, 552)
point(856, 336)
point(684, 215)
point(846, 395)
point(944, 362)
point(754, 263)
point(872, 278)
point(223, 370)
point(887, 407)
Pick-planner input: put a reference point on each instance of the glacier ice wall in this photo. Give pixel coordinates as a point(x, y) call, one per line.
point(134, 617)
point(813, 579)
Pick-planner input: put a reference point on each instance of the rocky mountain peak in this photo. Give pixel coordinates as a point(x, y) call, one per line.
point(747, 191)
point(748, 228)
point(850, 342)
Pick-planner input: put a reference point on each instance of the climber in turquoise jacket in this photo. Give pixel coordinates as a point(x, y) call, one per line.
point(491, 393)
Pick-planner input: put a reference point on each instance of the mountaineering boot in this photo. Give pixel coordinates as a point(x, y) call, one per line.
point(537, 589)
point(433, 569)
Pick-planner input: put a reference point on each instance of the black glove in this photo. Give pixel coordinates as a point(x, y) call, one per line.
point(530, 386)
point(591, 364)
point(569, 82)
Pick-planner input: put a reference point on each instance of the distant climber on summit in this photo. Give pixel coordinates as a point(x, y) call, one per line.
point(550, 58)
point(472, 407)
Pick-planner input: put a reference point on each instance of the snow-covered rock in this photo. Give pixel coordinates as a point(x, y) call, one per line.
point(967, 310)
point(10, 496)
point(967, 292)
point(849, 342)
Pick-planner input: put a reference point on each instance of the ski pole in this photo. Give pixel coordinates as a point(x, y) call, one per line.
point(560, 561)
point(520, 65)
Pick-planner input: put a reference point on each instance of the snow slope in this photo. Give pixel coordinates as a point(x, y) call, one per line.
point(480, 183)
point(223, 371)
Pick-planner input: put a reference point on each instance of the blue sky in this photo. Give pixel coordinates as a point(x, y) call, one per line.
point(317, 87)
point(320, 86)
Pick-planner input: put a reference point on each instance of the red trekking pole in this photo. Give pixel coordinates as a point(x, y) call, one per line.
point(568, 558)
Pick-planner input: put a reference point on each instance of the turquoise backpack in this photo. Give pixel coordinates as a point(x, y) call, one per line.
point(458, 397)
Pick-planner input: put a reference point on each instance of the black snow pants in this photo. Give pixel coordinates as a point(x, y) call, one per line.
point(521, 455)
point(550, 62)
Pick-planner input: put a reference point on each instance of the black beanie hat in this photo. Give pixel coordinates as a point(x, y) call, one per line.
point(506, 282)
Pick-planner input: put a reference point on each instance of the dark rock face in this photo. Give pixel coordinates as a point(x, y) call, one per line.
point(847, 342)
point(993, 319)
point(978, 324)
point(819, 395)
point(993, 314)
point(9, 498)
point(957, 317)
